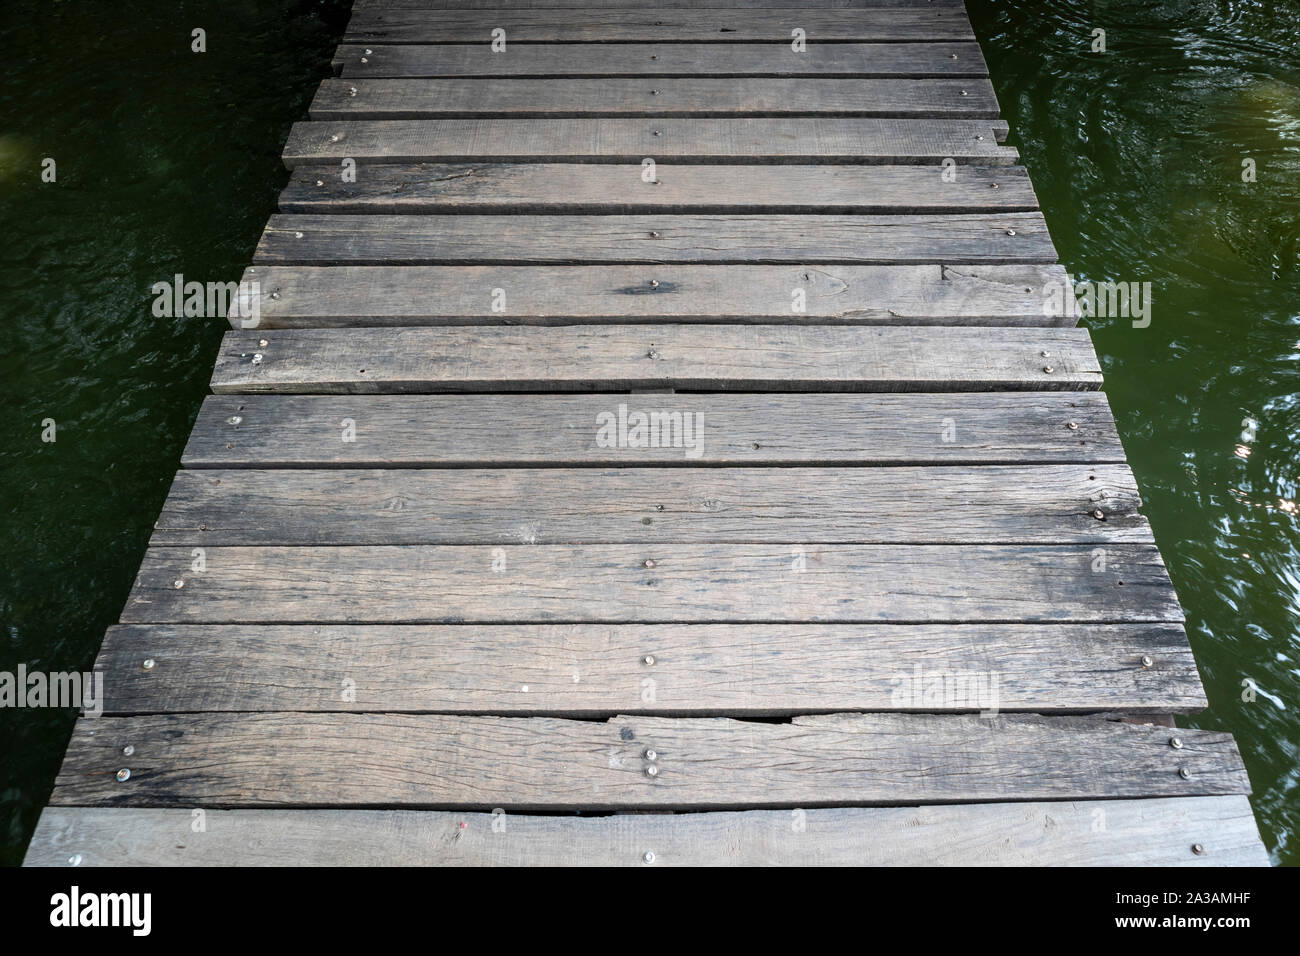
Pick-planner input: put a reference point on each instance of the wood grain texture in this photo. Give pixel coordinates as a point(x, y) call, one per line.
point(692, 357)
point(656, 583)
point(1153, 832)
point(783, 140)
point(372, 296)
point(862, 60)
point(252, 760)
point(1053, 504)
point(407, 24)
point(275, 431)
point(987, 238)
point(594, 188)
point(600, 670)
point(380, 99)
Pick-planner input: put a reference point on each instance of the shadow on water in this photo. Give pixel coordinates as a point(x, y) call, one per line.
point(167, 161)
point(1137, 157)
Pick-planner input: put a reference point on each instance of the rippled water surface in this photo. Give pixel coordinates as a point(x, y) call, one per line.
point(1136, 155)
point(168, 162)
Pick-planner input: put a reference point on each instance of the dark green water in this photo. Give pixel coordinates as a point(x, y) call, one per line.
point(168, 161)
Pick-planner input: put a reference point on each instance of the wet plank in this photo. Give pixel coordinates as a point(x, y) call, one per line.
point(252, 760)
point(600, 670)
point(460, 431)
point(691, 357)
point(653, 583)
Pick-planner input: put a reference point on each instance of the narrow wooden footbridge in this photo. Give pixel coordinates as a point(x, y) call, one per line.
point(655, 446)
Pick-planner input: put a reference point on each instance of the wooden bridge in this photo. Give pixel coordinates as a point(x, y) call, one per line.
point(653, 448)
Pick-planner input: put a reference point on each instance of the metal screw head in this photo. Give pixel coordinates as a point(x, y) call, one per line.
point(263, 342)
point(1184, 772)
point(648, 856)
point(1198, 849)
point(652, 354)
point(654, 92)
point(1044, 353)
point(648, 660)
point(74, 860)
point(654, 235)
point(650, 562)
point(1147, 660)
point(952, 56)
point(1011, 232)
point(148, 663)
point(1099, 514)
point(320, 182)
point(652, 771)
point(1073, 426)
point(1176, 743)
point(123, 775)
point(964, 93)
point(651, 755)
point(1048, 369)
point(657, 132)
point(257, 358)
point(654, 283)
point(234, 419)
point(128, 750)
point(352, 91)
point(993, 185)
point(364, 60)
point(979, 137)
point(178, 583)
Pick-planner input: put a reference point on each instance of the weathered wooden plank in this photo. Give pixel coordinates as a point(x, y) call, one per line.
point(917, 60)
point(789, 140)
point(1047, 504)
point(405, 24)
point(691, 357)
point(663, 5)
point(600, 670)
point(393, 99)
point(370, 296)
point(1158, 832)
point(654, 583)
point(252, 760)
point(273, 431)
point(594, 188)
point(985, 238)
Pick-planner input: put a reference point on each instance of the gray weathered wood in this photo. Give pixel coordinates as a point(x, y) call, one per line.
point(252, 760)
point(599, 670)
point(371, 296)
point(1051, 504)
point(693, 357)
point(271, 431)
point(786, 140)
point(377, 99)
point(683, 583)
point(599, 188)
point(986, 238)
point(637, 4)
point(406, 24)
point(1156, 832)
point(663, 59)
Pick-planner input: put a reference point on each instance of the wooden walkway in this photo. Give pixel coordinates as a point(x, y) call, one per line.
point(659, 454)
